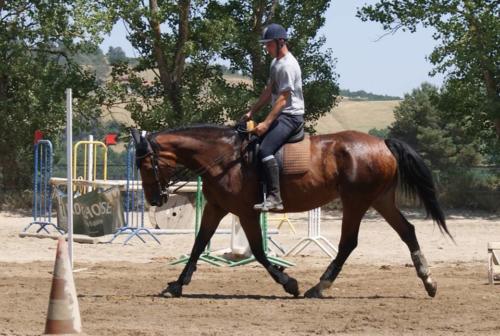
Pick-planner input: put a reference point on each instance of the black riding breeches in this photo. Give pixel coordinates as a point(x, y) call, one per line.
point(280, 131)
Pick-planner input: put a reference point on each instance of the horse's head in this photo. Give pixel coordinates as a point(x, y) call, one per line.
point(156, 168)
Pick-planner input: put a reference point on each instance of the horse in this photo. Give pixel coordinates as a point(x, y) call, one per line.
point(362, 170)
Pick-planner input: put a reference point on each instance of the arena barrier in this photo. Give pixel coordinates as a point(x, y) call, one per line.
point(314, 236)
point(89, 171)
point(283, 219)
point(42, 190)
point(134, 203)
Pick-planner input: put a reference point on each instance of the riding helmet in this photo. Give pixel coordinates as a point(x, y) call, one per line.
point(273, 31)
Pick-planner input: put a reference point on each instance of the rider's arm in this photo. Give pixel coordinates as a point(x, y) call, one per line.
point(279, 104)
point(263, 100)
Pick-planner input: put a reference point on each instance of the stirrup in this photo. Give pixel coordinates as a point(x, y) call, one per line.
point(268, 206)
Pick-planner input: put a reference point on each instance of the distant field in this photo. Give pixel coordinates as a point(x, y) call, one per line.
point(357, 115)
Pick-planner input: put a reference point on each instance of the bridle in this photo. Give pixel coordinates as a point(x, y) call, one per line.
point(146, 146)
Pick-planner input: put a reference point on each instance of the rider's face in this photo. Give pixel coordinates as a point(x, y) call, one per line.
point(271, 48)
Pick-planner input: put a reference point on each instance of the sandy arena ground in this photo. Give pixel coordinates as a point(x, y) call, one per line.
point(377, 293)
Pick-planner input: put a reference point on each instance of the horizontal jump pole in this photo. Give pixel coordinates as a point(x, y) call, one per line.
point(185, 187)
point(191, 231)
point(77, 238)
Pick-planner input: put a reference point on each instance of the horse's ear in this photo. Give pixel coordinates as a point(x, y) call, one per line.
point(136, 136)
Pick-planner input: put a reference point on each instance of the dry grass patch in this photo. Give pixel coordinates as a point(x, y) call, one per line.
point(358, 115)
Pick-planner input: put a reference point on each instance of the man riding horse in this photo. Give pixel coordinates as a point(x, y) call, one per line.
point(284, 90)
point(361, 170)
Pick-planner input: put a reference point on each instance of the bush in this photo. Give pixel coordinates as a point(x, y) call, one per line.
point(16, 200)
point(474, 189)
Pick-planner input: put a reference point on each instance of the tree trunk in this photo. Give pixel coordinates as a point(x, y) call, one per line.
point(171, 71)
point(179, 62)
point(159, 55)
point(259, 73)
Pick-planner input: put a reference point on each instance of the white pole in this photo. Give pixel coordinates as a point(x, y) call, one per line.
point(69, 172)
point(90, 165)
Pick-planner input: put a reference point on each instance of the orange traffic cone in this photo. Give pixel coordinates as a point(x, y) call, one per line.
point(63, 316)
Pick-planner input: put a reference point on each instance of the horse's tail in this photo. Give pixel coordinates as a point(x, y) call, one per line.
point(415, 178)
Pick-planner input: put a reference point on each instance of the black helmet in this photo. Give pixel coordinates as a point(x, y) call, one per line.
point(273, 31)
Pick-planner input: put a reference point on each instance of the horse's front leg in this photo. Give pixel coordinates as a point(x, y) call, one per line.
point(212, 215)
point(251, 226)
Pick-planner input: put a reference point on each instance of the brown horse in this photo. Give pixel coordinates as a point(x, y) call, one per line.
point(360, 169)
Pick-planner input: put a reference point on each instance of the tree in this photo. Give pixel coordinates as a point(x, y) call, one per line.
point(116, 55)
point(176, 81)
point(94, 62)
point(37, 40)
point(246, 55)
point(181, 42)
point(469, 47)
point(421, 124)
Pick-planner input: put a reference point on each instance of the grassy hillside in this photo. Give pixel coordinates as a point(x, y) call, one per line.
point(357, 115)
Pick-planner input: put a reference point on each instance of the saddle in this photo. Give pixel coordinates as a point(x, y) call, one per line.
point(293, 157)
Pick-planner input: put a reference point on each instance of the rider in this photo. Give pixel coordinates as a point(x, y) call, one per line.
point(284, 90)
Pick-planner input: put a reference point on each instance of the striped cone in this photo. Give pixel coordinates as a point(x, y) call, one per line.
point(63, 316)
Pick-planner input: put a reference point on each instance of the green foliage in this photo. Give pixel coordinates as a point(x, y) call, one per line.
point(38, 41)
point(94, 62)
point(465, 105)
point(116, 55)
point(421, 123)
point(472, 188)
point(178, 45)
point(468, 34)
point(362, 95)
point(450, 149)
point(382, 133)
point(241, 48)
point(187, 85)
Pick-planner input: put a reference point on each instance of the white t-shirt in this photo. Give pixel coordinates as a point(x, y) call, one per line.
point(287, 76)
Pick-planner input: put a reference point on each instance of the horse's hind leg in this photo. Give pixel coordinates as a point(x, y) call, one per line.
point(212, 215)
point(353, 211)
point(385, 205)
point(251, 226)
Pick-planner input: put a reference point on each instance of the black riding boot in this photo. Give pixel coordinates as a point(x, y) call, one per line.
point(273, 199)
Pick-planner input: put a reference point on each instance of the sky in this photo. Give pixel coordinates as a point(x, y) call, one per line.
point(394, 65)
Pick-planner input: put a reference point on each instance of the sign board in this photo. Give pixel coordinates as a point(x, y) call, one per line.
point(95, 214)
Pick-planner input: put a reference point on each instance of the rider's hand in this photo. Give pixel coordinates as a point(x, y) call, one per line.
point(260, 129)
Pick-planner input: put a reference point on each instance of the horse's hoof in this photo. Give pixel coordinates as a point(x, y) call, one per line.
point(292, 287)
point(174, 289)
point(430, 286)
point(313, 292)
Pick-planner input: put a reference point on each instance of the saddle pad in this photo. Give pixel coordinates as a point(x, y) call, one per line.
point(297, 157)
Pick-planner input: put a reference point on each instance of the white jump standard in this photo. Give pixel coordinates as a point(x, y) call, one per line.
point(314, 236)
